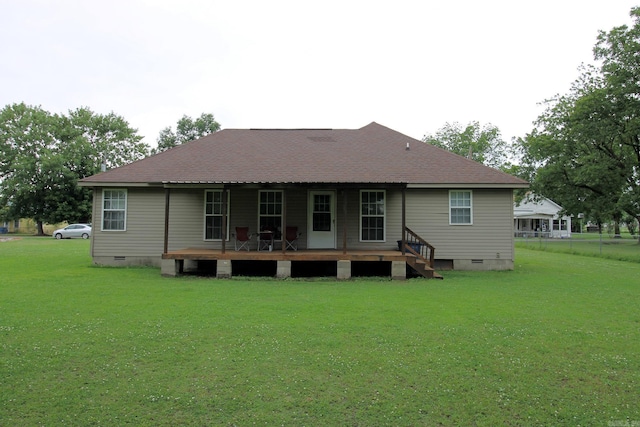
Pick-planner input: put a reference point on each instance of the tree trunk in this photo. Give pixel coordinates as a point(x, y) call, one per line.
point(616, 230)
point(40, 228)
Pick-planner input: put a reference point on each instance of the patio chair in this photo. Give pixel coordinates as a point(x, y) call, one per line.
point(265, 239)
point(291, 238)
point(243, 238)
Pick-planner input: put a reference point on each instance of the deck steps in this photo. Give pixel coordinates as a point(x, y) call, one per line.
point(422, 268)
point(420, 254)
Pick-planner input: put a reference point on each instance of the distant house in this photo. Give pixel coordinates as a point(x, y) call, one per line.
point(10, 226)
point(25, 226)
point(354, 196)
point(540, 218)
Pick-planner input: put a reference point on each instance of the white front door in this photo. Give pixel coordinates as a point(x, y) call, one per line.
point(322, 223)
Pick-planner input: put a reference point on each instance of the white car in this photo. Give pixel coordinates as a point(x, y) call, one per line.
point(73, 230)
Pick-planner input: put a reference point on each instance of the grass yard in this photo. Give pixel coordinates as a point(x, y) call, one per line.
point(588, 244)
point(555, 342)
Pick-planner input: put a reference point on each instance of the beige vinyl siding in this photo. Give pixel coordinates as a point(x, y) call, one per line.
point(186, 225)
point(297, 213)
point(244, 211)
point(427, 213)
point(393, 220)
point(144, 236)
point(186, 220)
point(490, 236)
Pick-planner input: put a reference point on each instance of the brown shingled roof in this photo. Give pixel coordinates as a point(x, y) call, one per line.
point(372, 154)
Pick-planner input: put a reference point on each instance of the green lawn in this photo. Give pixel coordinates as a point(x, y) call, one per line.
point(555, 342)
point(589, 244)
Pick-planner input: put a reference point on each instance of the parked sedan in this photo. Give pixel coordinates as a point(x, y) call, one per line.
point(73, 230)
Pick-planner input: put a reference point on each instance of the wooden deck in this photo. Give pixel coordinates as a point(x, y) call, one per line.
point(397, 260)
point(199, 254)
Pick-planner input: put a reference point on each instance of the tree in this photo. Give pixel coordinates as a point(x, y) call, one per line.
point(586, 145)
point(97, 140)
point(484, 144)
point(89, 143)
point(187, 130)
point(27, 142)
point(631, 223)
point(43, 155)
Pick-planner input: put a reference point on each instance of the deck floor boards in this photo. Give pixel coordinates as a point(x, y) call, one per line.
point(301, 255)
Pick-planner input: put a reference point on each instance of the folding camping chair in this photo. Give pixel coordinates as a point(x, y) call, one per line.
point(243, 238)
point(291, 238)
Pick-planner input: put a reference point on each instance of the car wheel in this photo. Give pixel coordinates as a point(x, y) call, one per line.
point(58, 236)
point(85, 236)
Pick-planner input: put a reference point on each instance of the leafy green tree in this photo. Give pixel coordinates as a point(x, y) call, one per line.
point(27, 142)
point(585, 149)
point(42, 156)
point(187, 130)
point(97, 140)
point(90, 142)
point(484, 144)
point(631, 223)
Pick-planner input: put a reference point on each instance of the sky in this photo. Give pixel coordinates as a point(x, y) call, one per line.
point(412, 66)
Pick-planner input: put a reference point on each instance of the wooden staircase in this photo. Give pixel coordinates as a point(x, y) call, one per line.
point(420, 254)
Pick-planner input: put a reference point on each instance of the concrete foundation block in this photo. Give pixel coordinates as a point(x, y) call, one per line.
point(170, 267)
point(283, 269)
point(223, 269)
point(398, 270)
point(344, 269)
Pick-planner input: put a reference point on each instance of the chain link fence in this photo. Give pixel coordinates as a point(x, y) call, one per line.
point(624, 247)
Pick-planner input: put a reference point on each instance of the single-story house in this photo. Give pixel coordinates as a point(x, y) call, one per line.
point(347, 196)
point(540, 217)
point(25, 226)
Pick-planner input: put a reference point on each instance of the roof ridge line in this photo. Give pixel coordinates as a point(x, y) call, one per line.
point(279, 129)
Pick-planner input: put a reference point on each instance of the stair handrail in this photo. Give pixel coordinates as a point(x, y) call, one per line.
point(411, 237)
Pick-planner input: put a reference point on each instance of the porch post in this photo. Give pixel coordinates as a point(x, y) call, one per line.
point(344, 221)
point(224, 218)
point(404, 217)
point(167, 196)
point(283, 231)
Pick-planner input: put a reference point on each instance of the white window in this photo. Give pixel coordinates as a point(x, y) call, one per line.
point(270, 212)
point(372, 215)
point(213, 209)
point(114, 210)
point(559, 224)
point(460, 207)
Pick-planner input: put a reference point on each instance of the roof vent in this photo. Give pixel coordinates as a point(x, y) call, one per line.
point(408, 148)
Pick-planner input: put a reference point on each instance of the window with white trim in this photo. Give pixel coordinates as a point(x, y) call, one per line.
point(372, 215)
point(213, 214)
point(460, 207)
point(114, 210)
point(270, 211)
